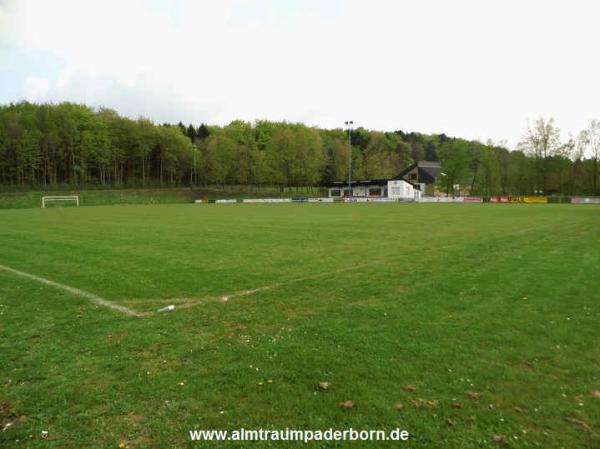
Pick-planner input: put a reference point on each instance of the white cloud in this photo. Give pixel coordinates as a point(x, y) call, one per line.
point(3, 25)
point(36, 88)
point(470, 68)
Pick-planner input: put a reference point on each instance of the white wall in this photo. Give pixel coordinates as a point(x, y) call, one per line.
point(359, 191)
point(400, 189)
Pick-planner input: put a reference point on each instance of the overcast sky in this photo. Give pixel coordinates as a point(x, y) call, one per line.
point(471, 68)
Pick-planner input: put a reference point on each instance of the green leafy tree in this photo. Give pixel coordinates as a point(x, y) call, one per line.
point(69, 143)
point(454, 157)
point(541, 141)
point(589, 145)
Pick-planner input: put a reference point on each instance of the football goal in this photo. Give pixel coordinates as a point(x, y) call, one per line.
point(47, 199)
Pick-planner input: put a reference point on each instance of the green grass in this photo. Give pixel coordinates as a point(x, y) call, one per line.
point(502, 300)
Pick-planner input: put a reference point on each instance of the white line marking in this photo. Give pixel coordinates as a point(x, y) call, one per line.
point(226, 298)
point(194, 302)
point(75, 291)
point(198, 301)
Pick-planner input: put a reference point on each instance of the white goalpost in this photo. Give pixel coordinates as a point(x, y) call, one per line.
point(46, 199)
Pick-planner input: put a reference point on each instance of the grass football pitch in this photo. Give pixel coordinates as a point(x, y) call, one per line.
point(468, 325)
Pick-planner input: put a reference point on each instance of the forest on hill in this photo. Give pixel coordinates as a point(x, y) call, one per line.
point(49, 145)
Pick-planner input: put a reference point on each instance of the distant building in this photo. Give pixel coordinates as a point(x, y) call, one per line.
point(414, 181)
point(424, 174)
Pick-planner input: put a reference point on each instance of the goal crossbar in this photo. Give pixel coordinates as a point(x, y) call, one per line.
point(45, 199)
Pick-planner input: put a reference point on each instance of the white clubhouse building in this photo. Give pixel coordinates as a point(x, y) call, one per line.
point(415, 181)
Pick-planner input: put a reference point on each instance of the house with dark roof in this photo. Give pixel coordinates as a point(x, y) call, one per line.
point(414, 181)
point(424, 174)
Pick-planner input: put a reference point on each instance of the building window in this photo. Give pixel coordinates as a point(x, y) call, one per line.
point(336, 192)
point(375, 191)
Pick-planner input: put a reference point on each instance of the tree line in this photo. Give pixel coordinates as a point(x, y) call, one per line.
point(48, 145)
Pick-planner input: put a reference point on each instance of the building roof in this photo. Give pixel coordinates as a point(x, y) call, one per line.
point(361, 182)
point(370, 182)
point(428, 171)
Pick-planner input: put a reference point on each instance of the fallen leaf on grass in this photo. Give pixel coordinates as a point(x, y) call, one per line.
point(398, 405)
point(449, 422)
point(410, 387)
point(595, 393)
point(348, 404)
point(500, 439)
point(519, 410)
point(472, 394)
point(418, 403)
point(456, 405)
point(323, 386)
point(579, 423)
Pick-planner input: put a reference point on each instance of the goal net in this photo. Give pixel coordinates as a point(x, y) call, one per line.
point(51, 198)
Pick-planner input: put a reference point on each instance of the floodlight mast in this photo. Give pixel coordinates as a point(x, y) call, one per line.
point(349, 124)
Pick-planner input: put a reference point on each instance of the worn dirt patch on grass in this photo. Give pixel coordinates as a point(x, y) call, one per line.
point(8, 416)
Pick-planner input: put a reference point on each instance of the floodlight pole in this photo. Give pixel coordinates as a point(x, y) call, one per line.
point(195, 169)
point(349, 124)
